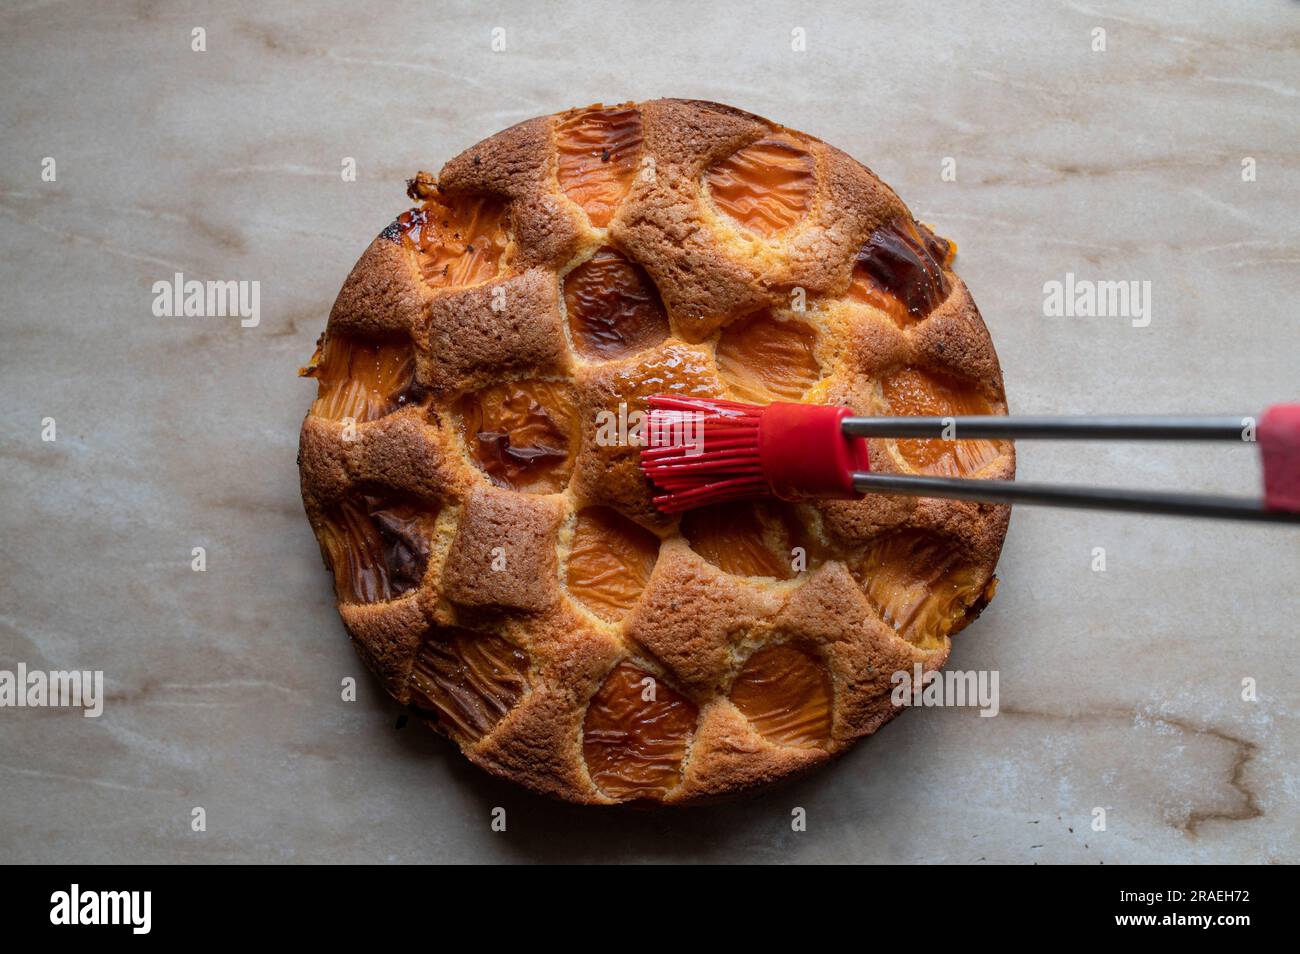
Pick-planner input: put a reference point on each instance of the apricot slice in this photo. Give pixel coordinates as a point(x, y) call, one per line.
point(920, 585)
point(913, 393)
point(635, 735)
point(675, 369)
point(901, 271)
point(623, 389)
point(786, 695)
point(520, 433)
point(468, 680)
point(361, 380)
point(766, 187)
point(377, 549)
point(765, 358)
point(750, 538)
point(598, 150)
point(614, 308)
point(458, 240)
point(610, 562)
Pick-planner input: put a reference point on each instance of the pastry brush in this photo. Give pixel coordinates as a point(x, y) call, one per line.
point(705, 451)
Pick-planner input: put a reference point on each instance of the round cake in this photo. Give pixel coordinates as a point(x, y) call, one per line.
point(470, 463)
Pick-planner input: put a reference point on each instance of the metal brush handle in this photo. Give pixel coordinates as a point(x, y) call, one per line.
point(1057, 495)
point(1138, 428)
point(1134, 428)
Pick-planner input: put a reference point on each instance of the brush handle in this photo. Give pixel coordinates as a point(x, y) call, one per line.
point(1277, 432)
point(1056, 495)
point(1127, 428)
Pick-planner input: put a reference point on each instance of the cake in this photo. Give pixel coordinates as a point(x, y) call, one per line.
point(470, 462)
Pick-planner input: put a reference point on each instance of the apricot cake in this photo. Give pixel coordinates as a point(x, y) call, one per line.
point(470, 464)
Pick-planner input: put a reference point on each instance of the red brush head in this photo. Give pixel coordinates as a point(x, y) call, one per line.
point(702, 451)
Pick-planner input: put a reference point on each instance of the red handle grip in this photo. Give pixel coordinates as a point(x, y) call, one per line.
point(1279, 447)
point(805, 453)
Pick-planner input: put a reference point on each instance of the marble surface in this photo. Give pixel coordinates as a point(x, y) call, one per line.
point(1119, 689)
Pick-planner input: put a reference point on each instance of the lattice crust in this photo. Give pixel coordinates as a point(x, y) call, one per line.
point(497, 559)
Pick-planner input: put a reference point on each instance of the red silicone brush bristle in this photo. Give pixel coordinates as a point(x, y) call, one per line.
point(701, 451)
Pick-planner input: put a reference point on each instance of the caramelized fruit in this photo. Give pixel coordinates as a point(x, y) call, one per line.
point(786, 695)
point(920, 585)
point(614, 309)
point(901, 271)
point(610, 562)
point(766, 187)
point(362, 380)
point(377, 549)
point(469, 680)
point(521, 433)
point(913, 393)
point(749, 538)
point(765, 359)
point(597, 154)
point(675, 369)
point(458, 241)
point(634, 746)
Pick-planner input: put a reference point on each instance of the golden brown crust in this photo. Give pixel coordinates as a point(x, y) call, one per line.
point(487, 560)
point(692, 616)
point(504, 329)
point(738, 757)
point(503, 555)
point(662, 222)
point(403, 452)
point(383, 295)
point(387, 637)
point(517, 165)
